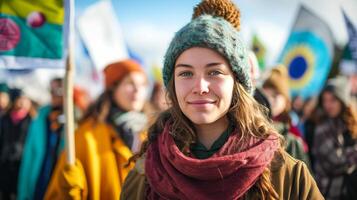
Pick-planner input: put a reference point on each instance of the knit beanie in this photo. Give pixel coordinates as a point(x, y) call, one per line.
point(339, 87)
point(115, 72)
point(215, 25)
point(4, 88)
point(15, 93)
point(278, 79)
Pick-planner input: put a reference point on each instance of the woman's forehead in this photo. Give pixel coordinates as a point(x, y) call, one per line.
point(201, 52)
point(198, 56)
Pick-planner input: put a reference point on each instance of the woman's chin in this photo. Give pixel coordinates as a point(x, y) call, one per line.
point(201, 120)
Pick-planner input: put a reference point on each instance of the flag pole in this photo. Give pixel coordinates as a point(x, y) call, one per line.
point(68, 86)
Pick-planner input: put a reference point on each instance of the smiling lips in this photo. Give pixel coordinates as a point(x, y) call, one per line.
point(201, 102)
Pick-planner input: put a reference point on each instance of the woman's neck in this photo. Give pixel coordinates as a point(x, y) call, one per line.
point(208, 133)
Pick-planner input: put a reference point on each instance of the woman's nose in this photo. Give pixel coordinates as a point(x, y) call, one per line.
point(201, 86)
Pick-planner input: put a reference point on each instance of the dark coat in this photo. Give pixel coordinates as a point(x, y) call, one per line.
point(12, 139)
point(335, 158)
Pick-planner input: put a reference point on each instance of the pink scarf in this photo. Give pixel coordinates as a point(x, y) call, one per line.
point(18, 115)
point(228, 174)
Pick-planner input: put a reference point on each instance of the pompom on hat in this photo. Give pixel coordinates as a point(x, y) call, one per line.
point(116, 71)
point(215, 25)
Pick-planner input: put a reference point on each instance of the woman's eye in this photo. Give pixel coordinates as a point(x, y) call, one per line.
point(214, 73)
point(185, 74)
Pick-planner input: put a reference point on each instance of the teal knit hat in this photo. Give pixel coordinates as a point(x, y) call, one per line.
point(215, 33)
point(4, 88)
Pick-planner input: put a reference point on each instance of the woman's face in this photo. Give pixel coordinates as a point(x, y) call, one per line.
point(130, 94)
point(331, 105)
point(277, 101)
point(203, 85)
point(160, 100)
point(56, 93)
point(4, 100)
point(22, 103)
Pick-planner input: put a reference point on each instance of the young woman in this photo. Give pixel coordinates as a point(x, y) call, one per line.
point(105, 138)
point(335, 142)
point(213, 142)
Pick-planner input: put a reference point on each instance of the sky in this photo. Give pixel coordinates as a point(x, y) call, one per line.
point(148, 26)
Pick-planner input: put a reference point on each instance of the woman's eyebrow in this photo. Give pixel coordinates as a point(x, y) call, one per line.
point(208, 65)
point(184, 65)
point(213, 64)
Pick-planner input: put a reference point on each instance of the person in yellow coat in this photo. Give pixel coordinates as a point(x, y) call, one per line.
point(105, 139)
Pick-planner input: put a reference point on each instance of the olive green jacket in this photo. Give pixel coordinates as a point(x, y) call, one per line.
point(290, 177)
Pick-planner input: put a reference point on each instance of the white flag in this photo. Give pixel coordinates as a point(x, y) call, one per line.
point(102, 35)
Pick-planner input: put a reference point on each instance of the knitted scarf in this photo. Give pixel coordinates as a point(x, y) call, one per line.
point(128, 126)
point(228, 174)
point(18, 115)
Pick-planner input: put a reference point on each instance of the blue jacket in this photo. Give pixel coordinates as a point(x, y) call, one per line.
point(33, 155)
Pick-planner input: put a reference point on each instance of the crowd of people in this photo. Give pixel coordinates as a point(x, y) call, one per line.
point(213, 128)
point(108, 130)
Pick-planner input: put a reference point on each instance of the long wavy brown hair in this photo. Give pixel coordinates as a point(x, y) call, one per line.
point(99, 109)
point(245, 113)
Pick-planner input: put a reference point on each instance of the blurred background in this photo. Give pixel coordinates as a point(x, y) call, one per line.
point(144, 30)
point(302, 55)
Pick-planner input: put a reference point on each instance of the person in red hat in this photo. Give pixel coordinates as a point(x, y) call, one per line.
point(106, 137)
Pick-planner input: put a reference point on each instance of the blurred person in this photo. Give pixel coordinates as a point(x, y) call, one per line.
point(106, 137)
point(158, 99)
point(353, 84)
point(213, 142)
point(307, 125)
point(13, 131)
point(81, 101)
point(43, 144)
point(335, 142)
point(306, 112)
point(4, 98)
point(276, 88)
point(259, 96)
point(296, 112)
point(297, 105)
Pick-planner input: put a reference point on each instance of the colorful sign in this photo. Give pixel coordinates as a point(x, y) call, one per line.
point(31, 34)
point(308, 54)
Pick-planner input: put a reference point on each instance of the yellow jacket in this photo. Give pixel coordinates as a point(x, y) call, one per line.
point(99, 171)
